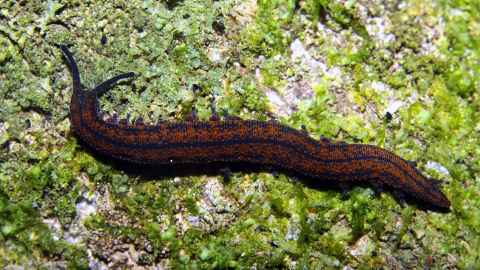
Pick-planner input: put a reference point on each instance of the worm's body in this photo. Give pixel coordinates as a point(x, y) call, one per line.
point(234, 140)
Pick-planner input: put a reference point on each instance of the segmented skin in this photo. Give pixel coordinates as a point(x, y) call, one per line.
point(249, 141)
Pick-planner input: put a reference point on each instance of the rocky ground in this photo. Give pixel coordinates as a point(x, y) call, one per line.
point(403, 75)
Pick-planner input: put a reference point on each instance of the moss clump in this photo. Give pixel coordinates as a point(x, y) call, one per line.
point(266, 36)
point(26, 238)
point(357, 59)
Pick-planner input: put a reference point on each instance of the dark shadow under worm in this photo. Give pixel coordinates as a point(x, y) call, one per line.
point(194, 145)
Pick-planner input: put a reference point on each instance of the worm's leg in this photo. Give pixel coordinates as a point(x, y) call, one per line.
point(215, 116)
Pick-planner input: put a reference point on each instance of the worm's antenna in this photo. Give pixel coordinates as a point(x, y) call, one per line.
point(73, 67)
point(108, 84)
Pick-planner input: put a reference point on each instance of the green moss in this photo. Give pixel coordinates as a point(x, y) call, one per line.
point(28, 238)
point(463, 47)
point(342, 15)
point(266, 36)
point(278, 223)
point(272, 69)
